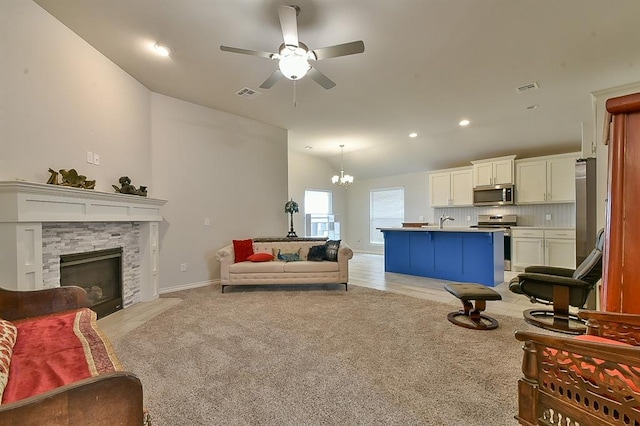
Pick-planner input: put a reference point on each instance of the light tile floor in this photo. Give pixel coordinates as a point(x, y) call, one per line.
point(367, 270)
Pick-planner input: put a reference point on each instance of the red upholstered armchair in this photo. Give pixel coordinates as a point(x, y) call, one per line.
point(591, 379)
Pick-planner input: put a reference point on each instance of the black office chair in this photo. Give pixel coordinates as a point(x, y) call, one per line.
point(562, 288)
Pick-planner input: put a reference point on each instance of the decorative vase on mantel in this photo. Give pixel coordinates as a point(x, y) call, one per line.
point(291, 207)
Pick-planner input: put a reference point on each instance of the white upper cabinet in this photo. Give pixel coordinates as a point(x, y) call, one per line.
point(451, 188)
point(493, 171)
point(546, 180)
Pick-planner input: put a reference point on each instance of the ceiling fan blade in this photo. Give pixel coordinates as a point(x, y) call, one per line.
point(273, 78)
point(339, 50)
point(247, 52)
point(289, 23)
point(320, 78)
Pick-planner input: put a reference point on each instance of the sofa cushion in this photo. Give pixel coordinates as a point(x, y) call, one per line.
point(260, 257)
point(8, 333)
point(242, 249)
point(310, 266)
point(256, 267)
point(281, 255)
point(332, 247)
point(317, 253)
point(55, 350)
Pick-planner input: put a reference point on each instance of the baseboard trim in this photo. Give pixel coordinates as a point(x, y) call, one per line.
point(188, 286)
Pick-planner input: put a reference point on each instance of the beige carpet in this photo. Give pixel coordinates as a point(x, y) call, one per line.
point(319, 355)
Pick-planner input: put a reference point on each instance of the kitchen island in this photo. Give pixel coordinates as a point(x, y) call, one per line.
point(452, 253)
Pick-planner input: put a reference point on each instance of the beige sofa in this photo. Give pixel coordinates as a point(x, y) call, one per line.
point(279, 272)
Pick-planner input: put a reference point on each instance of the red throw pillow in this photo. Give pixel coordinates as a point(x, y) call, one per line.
point(242, 249)
point(260, 257)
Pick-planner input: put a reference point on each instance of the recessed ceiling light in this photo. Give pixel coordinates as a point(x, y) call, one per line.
point(413, 135)
point(533, 106)
point(161, 50)
point(464, 122)
point(308, 147)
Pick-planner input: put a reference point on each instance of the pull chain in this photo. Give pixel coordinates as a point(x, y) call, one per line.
point(295, 104)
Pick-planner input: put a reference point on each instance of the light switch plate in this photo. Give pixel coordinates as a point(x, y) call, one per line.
point(90, 157)
point(96, 159)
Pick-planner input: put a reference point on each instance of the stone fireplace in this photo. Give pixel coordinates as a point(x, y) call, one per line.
point(43, 224)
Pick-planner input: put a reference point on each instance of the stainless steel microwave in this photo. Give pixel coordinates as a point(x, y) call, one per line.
point(493, 195)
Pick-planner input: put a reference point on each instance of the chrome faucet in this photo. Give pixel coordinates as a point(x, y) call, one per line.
point(443, 218)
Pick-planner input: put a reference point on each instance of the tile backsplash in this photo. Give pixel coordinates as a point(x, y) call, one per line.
point(562, 215)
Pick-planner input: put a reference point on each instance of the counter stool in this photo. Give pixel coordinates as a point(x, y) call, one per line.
point(468, 318)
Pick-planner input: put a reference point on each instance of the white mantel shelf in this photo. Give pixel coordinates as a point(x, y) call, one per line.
point(26, 206)
point(37, 202)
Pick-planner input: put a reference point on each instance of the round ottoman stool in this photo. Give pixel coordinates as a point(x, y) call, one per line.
point(471, 317)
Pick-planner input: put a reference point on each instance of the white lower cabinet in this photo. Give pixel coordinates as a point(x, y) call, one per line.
point(548, 247)
point(560, 248)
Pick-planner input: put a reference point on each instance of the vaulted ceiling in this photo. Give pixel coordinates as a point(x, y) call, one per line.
point(427, 65)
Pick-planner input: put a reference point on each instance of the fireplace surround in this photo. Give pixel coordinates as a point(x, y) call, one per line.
point(40, 222)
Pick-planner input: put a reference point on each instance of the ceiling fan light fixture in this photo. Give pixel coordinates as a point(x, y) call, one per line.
point(293, 62)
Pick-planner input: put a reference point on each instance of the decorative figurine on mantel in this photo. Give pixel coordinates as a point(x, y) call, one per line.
point(127, 188)
point(70, 178)
point(291, 207)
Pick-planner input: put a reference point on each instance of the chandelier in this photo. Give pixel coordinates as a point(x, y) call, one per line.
point(343, 180)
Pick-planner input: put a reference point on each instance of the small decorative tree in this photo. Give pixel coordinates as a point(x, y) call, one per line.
point(291, 207)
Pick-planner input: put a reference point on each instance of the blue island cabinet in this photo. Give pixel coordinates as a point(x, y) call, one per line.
point(466, 256)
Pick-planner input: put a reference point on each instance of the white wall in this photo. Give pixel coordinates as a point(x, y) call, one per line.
point(416, 204)
point(60, 98)
point(308, 172)
point(596, 137)
point(215, 165)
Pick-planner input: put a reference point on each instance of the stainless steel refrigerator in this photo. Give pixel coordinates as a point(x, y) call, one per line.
point(586, 208)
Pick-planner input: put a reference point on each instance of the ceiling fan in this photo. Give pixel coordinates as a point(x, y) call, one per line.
point(293, 56)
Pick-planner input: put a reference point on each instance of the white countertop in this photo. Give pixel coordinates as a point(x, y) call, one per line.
point(445, 229)
point(553, 228)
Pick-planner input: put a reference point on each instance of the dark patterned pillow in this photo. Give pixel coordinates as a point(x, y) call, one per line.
point(332, 247)
point(317, 253)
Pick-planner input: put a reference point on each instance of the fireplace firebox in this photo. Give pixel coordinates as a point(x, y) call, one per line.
point(99, 273)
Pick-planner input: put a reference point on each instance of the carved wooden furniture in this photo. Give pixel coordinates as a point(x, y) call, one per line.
point(562, 288)
point(470, 317)
point(621, 280)
point(110, 398)
point(591, 379)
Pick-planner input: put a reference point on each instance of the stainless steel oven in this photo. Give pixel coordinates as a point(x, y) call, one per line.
point(500, 221)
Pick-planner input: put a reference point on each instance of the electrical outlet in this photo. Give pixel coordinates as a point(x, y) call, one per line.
point(183, 267)
point(90, 157)
point(96, 159)
point(207, 222)
point(421, 218)
point(548, 216)
point(468, 218)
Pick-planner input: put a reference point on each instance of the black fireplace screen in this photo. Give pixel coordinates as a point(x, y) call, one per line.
point(99, 273)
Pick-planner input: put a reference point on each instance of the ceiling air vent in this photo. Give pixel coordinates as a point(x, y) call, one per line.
point(248, 93)
point(527, 88)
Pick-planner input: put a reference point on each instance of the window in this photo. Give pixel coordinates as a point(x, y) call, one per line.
point(319, 218)
point(386, 210)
